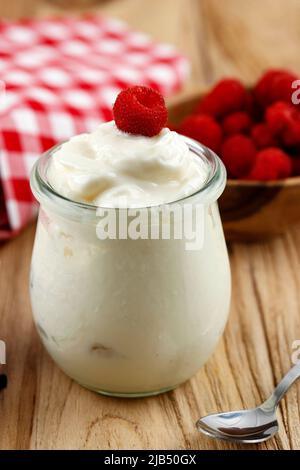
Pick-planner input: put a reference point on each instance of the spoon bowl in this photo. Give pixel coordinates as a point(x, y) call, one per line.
point(249, 426)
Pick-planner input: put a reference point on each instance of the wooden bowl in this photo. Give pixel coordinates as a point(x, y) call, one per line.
point(250, 210)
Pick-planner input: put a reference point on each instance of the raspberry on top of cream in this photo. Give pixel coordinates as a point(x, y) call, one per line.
point(111, 167)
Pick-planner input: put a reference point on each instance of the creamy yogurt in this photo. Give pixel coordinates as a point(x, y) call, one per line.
point(110, 168)
point(126, 317)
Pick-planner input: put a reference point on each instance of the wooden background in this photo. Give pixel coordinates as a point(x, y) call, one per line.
point(42, 408)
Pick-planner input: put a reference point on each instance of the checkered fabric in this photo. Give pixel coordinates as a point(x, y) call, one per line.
point(59, 77)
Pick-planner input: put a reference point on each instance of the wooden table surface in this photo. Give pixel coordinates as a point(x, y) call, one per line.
point(42, 408)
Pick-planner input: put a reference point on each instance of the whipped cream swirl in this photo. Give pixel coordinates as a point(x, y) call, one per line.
point(110, 168)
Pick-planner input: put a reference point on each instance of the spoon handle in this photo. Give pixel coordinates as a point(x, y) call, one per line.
point(281, 389)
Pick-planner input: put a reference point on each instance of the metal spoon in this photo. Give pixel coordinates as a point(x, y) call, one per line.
point(249, 426)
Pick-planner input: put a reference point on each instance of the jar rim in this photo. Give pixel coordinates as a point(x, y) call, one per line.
point(210, 190)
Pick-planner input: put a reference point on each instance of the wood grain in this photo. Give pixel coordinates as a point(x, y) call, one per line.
point(42, 408)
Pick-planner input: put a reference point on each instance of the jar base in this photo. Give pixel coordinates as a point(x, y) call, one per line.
point(128, 394)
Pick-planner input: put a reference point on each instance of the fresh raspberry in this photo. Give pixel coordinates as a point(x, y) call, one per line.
point(140, 110)
point(226, 96)
point(274, 85)
point(238, 154)
point(262, 136)
point(237, 123)
point(204, 129)
point(284, 120)
point(261, 89)
point(291, 135)
point(281, 89)
point(280, 115)
point(271, 164)
point(296, 165)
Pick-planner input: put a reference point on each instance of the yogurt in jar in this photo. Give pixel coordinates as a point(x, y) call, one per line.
point(109, 166)
point(127, 317)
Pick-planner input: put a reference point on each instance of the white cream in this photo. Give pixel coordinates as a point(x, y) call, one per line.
point(110, 168)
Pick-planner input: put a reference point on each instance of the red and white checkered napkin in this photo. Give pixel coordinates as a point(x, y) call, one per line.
point(61, 77)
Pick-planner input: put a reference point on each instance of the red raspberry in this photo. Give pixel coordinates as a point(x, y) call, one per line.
point(291, 135)
point(227, 96)
point(284, 120)
point(274, 85)
point(296, 165)
point(204, 129)
point(262, 87)
point(238, 154)
point(262, 136)
point(237, 123)
point(281, 89)
point(271, 164)
point(280, 115)
point(140, 110)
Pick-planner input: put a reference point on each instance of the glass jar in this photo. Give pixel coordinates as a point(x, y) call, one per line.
point(130, 315)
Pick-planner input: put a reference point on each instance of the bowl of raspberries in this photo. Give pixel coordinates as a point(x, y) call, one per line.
point(256, 132)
